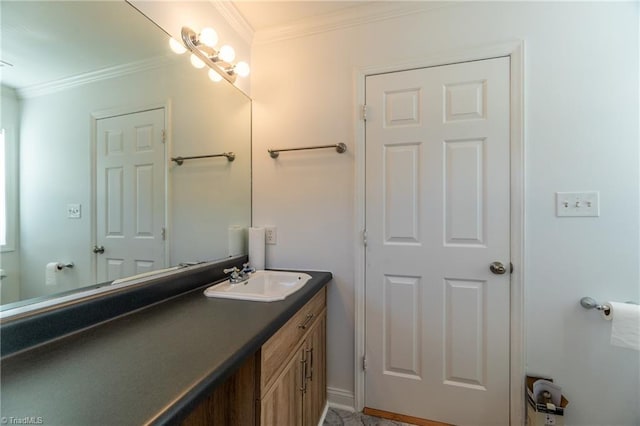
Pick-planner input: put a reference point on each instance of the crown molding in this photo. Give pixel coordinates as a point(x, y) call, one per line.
point(235, 19)
point(366, 13)
point(91, 77)
point(8, 91)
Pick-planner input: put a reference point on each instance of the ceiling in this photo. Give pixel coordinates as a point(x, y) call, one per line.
point(263, 15)
point(47, 41)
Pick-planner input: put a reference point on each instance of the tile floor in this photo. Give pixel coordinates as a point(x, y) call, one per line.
point(337, 417)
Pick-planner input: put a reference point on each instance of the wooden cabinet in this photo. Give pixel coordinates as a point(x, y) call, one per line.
point(293, 381)
point(231, 403)
point(284, 383)
point(315, 385)
point(282, 405)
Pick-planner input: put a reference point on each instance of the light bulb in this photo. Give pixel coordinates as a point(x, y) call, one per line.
point(176, 46)
point(227, 53)
point(196, 62)
point(242, 69)
point(209, 37)
point(214, 76)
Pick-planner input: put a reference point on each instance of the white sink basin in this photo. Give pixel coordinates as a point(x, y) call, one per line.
point(262, 286)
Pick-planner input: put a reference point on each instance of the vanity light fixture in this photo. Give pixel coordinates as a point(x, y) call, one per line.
point(176, 46)
point(209, 37)
point(196, 62)
point(214, 76)
point(203, 52)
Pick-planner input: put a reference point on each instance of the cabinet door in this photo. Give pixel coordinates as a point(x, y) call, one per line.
point(315, 396)
point(283, 404)
point(277, 350)
point(231, 403)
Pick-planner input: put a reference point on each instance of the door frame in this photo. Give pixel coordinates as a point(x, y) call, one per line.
point(514, 49)
point(93, 124)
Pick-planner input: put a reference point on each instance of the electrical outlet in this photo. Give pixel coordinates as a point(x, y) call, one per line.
point(74, 211)
point(270, 235)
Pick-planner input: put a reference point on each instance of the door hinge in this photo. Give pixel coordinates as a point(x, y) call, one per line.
point(363, 112)
point(163, 233)
point(164, 136)
point(364, 237)
point(364, 362)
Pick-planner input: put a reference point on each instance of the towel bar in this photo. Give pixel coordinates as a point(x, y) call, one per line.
point(340, 148)
point(179, 160)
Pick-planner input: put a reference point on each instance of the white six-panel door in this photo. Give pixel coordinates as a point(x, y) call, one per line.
point(437, 215)
point(130, 206)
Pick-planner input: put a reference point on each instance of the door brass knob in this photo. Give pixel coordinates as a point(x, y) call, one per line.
point(497, 268)
point(98, 249)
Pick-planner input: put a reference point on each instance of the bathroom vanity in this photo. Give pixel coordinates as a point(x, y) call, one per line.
point(185, 359)
point(283, 383)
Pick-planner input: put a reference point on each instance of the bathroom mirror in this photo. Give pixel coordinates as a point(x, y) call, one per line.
point(72, 72)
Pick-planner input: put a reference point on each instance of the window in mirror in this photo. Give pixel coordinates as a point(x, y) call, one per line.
point(3, 192)
point(8, 196)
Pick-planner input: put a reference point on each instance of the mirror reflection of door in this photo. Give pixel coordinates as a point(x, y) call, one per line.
point(130, 194)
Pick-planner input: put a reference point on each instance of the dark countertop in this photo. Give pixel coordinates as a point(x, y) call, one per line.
point(150, 366)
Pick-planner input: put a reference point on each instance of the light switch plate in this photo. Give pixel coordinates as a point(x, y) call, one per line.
point(74, 211)
point(578, 204)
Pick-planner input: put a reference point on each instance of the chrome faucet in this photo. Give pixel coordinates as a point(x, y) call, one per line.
point(247, 270)
point(239, 275)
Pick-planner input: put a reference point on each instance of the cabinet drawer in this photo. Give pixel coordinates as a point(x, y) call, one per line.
point(283, 343)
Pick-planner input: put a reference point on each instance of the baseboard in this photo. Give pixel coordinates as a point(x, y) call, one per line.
point(324, 414)
point(341, 399)
point(402, 418)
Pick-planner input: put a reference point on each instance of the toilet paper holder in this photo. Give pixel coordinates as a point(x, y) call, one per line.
point(590, 303)
point(60, 266)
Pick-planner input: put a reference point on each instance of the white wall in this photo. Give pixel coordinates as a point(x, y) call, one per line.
point(206, 196)
point(581, 133)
